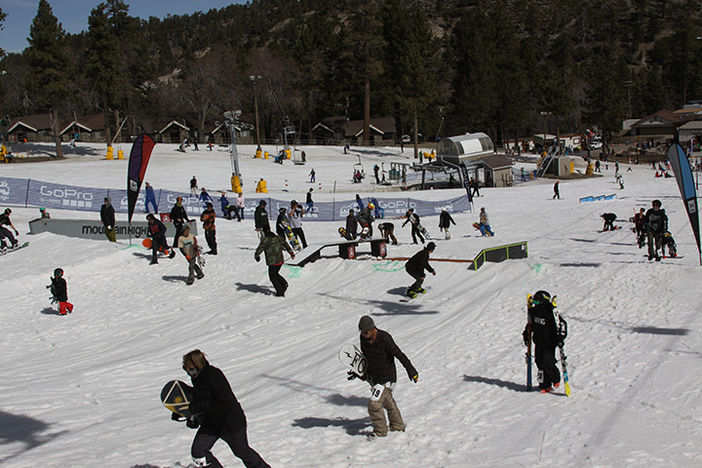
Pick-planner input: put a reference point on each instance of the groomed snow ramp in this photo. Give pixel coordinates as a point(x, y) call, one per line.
point(500, 254)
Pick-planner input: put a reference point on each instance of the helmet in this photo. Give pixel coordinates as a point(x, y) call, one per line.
point(371, 206)
point(541, 297)
point(42, 209)
point(58, 272)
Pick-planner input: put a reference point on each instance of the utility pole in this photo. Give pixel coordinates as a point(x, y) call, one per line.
point(258, 133)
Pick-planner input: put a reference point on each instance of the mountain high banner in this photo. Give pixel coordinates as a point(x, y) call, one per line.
point(686, 184)
point(138, 160)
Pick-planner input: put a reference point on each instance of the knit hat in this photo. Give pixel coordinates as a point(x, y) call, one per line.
point(366, 324)
point(431, 246)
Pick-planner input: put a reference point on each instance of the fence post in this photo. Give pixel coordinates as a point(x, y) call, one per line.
point(26, 195)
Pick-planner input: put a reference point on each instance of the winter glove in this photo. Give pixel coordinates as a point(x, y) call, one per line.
point(526, 337)
point(177, 417)
point(192, 424)
point(415, 378)
point(258, 259)
point(188, 257)
point(197, 407)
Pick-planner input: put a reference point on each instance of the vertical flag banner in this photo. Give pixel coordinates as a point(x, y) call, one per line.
point(138, 160)
point(686, 184)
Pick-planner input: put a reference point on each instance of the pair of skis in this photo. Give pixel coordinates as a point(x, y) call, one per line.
point(528, 356)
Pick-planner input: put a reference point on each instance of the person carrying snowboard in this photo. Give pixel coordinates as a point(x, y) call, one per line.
point(178, 217)
point(609, 219)
point(380, 351)
point(413, 219)
point(273, 246)
point(157, 233)
point(656, 222)
point(59, 291)
point(546, 335)
point(444, 220)
point(208, 224)
point(217, 413)
point(5, 233)
point(187, 244)
point(484, 223)
point(415, 267)
point(107, 216)
point(295, 220)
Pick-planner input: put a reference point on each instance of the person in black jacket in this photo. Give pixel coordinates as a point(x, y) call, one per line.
point(609, 219)
point(59, 291)
point(413, 219)
point(351, 226)
point(445, 221)
point(380, 351)
point(157, 233)
point(107, 216)
point(415, 267)
point(656, 223)
point(178, 217)
point(261, 222)
point(218, 413)
point(4, 232)
point(541, 324)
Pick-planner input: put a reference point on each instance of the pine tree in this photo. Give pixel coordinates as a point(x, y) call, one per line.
point(2, 19)
point(49, 64)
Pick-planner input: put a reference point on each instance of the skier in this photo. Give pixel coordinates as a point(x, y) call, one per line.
point(240, 205)
point(608, 221)
point(44, 214)
point(310, 203)
point(380, 350)
point(157, 233)
point(150, 198)
point(5, 233)
point(273, 246)
point(218, 413)
point(351, 226)
point(107, 215)
point(547, 334)
point(193, 186)
point(59, 291)
point(208, 224)
point(365, 219)
point(485, 224)
point(387, 230)
point(656, 222)
point(556, 191)
point(261, 219)
point(178, 217)
point(415, 267)
point(187, 244)
point(295, 219)
point(639, 221)
point(413, 219)
point(444, 220)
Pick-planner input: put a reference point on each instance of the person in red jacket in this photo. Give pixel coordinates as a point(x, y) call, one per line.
point(218, 413)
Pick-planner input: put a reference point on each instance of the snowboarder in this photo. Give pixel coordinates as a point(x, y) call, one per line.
point(639, 221)
point(351, 226)
point(157, 233)
point(556, 191)
point(485, 224)
point(365, 219)
point(308, 201)
point(187, 244)
point(444, 220)
point(107, 215)
point(208, 224)
point(413, 219)
point(218, 414)
point(656, 222)
point(225, 206)
point(261, 219)
point(546, 335)
point(193, 186)
point(376, 169)
point(295, 219)
point(178, 217)
point(150, 198)
point(313, 176)
point(609, 219)
point(44, 214)
point(475, 185)
point(380, 350)
point(387, 230)
point(5, 233)
point(59, 291)
point(359, 202)
point(415, 267)
point(273, 246)
point(205, 198)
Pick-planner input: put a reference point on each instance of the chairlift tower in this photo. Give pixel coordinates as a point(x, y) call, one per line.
point(232, 121)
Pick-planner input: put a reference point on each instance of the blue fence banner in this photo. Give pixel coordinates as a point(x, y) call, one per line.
point(29, 192)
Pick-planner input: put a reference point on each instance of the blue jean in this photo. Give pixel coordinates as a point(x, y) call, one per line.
point(485, 230)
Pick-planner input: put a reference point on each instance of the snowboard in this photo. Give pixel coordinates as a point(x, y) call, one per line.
point(176, 396)
point(353, 359)
point(294, 243)
point(409, 299)
point(19, 246)
point(527, 356)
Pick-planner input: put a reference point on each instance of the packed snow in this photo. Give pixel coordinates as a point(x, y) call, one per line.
point(83, 390)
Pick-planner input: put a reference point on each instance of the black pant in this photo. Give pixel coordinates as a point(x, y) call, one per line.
point(545, 358)
point(278, 281)
point(419, 280)
point(178, 233)
point(211, 238)
point(416, 233)
point(158, 243)
point(5, 233)
point(301, 235)
point(237, 441)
